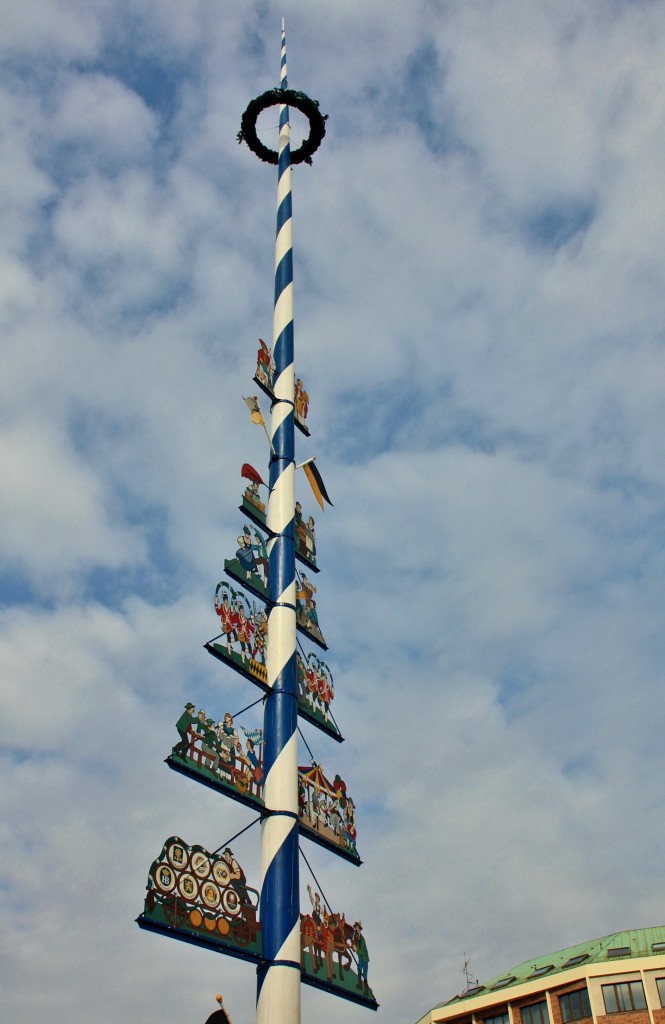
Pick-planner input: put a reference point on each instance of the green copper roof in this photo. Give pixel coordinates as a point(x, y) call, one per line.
point(615, 947)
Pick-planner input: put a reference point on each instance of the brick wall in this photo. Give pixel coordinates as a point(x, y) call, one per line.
point(630, 1017)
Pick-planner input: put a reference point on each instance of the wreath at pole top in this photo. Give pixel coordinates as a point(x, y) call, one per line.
point(275, 97)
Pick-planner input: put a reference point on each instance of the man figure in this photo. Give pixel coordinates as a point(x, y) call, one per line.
point(209, 745)
point(261, 556)
point(260, 637)
point(238, 877)
point(228, 738)
point(228, 619)
point(200, 723)
point(360, 946)
point(245, 553)
point(244, 630)
point(182, 725)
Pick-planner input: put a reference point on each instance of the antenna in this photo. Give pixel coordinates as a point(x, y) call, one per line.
point(466, 972)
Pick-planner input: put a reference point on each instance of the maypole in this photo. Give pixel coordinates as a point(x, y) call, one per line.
point(203, 896)
point(278, 984)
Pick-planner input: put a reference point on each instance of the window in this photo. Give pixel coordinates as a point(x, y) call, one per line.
point(574, 960)
point(658, 947)
point(501, 1018)
point(538, 971)
point(536, 1013)
point(575, 1005)
point(625, 995)
point(619, 951)
point(661, 990)
point(504, 982)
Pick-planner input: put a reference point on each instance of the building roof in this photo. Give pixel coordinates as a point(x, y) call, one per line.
point(610, 948)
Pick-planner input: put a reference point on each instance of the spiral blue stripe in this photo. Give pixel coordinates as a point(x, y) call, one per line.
point(284, 273)
point(282, 879)
point(284, 211)
point(278, 977)
point(283, 347)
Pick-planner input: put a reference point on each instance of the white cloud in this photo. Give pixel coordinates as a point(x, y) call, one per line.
point(100, 113)
point(53, 512)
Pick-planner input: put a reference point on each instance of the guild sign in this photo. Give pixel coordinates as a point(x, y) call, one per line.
point(228, 757)
point(204, 898)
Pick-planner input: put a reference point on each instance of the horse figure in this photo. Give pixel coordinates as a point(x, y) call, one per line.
point(311, 941)
point(337, 937)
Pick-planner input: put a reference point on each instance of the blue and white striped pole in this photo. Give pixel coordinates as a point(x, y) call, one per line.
point(278, 986)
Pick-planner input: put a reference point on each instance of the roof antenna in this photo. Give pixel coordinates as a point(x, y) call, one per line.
point(467, 974)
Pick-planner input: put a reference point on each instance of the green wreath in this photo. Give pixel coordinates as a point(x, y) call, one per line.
point(274, 97)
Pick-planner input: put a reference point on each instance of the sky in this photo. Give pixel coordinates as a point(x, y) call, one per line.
point(479, 311)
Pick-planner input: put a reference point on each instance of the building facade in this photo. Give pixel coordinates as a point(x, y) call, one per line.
point(618, 979)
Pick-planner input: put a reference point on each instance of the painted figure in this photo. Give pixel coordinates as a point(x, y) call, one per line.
point(245, 553)
point(359, 946)
point(265, 365)
point(315, 685)
point(260, 620)
point(210, 746)
point(350, 824)
point(238, 878)
point(315, 900)
point(244, 630)
point(183, 724)
point(326, 808)
point(328, 944)
point(228, 738)
point(305, 596)
point(228, 617)
point(301, 401)
point(310, 538)
point(252, 496)
point(261, 555)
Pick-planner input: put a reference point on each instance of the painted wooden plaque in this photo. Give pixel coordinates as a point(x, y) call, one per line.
point(244, 628)
point(265, 369)
point(250, 567)
point(307, 618)
point(228, 757)
point(334, 953)
point(204, 898)
point(254, 508)
point(243, 645)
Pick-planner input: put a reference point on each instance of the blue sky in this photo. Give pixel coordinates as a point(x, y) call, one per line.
point(479, 283)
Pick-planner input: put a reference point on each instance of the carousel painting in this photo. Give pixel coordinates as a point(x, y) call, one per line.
point(327, 814)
